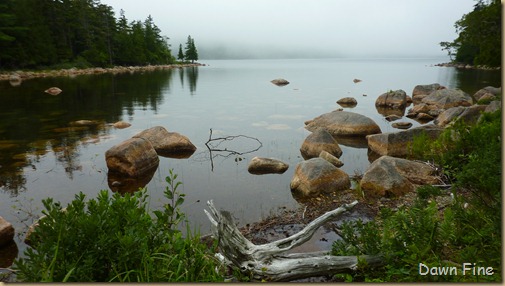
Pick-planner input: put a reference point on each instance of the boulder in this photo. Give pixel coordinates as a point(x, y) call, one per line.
point(448, 115)
point(388, 176)
point(347, 102)
point(133, 157)
point(397, 144)
point(316, 176)
point(421, 91)
point(392, 117)
point(488, 90)
point(53, 91)
point(393, 99)
point(320, 140)
point(493, 106)
point(471, 114)
point(344, 123)
point(260, 166)
point(121, 125)
point(280, 82)
point(330, 158)
point(168, 144)
point(447, 98)
point(424, 117)
point(402, 125)
point(84, 122)
point(6, 232)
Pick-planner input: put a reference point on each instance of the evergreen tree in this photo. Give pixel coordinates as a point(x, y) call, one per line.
point(180, 55)
point(191, 54)
point(36, 33)
point(479, 40)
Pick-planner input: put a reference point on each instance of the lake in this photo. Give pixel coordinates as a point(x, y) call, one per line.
point(42, 156)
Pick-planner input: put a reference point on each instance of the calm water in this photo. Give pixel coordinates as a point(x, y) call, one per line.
point(41, 157)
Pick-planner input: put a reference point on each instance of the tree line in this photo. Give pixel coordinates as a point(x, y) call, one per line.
point(479, 39)
point(80, 33)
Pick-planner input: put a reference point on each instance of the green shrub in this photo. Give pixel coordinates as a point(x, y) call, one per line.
point(115, 238)
point(466, 231)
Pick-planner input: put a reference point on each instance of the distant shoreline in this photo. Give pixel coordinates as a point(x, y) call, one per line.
point(18, 76)
point(466, 66)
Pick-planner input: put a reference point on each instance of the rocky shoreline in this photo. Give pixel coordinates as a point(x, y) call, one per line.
point(466, 66)
point(17, 76)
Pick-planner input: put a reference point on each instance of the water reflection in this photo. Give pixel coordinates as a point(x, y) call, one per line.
point(33, 123)
point(191, 76)
point(125, 184)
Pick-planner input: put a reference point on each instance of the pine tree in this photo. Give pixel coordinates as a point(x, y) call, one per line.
point(191, 54)
point(180, 55)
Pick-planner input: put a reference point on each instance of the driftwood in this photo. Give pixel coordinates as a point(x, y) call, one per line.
point(266, 261)
point(214, 149)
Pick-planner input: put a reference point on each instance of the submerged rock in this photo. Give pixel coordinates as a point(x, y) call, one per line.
point(280, 82)
point(347, 102)
point(121, 125)
point(402, 125)
point(344, 123)
point(260, 166)
point(53, 91)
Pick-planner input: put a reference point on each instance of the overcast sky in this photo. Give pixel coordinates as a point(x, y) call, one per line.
point(303, 28)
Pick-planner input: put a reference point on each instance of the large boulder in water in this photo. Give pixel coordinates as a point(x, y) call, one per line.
point(316, 176)
point(397, 144)
point(260, 166)
point(392, 99)
point(320, 140)
point(422, 90)
point(447, 98)
point(388, 176)
point(344, 123)
point(133, 157)
point(169, 144)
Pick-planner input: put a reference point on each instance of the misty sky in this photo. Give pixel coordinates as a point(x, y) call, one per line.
point(296, 28)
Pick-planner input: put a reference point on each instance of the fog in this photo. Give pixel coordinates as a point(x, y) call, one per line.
point(303, 29)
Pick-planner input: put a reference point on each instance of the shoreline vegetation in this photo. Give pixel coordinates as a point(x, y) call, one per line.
point(20, 75)
point(467, 66)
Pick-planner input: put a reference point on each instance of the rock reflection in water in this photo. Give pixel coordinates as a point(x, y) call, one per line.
point(7, 254)
point(126, 184)
point(352, 141)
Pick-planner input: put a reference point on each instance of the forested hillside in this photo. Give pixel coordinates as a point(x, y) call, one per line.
point(80, 33)
point(479, 40)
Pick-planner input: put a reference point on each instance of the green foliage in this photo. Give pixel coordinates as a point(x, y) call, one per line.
point(466, 231)
point(36, 33)
point(191, 54)
point(479, 40)
point(114, 238)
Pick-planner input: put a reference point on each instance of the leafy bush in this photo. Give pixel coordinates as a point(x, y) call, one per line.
point(116, 239)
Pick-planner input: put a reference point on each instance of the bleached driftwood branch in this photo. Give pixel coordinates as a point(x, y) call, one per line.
point(265, 261)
